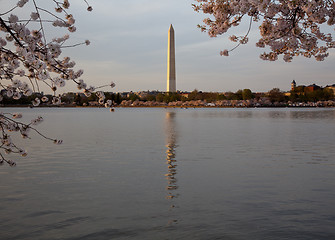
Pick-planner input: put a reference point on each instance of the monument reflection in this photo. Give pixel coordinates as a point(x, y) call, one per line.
point(171, 145)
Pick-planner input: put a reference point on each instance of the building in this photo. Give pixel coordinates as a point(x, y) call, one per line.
point(311, 88)
point(302, 88)
point(171, 62)
point(293, 85)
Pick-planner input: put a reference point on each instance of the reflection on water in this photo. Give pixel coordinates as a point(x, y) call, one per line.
point(171, 139)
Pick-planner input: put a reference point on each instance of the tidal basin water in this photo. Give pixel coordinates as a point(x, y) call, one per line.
point(155, 173)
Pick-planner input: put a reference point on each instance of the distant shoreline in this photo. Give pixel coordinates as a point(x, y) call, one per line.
point(181, 107)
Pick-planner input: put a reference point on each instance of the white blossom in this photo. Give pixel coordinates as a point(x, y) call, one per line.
point(72, 29)
point(289, 28)
point(37, 120)
point(13, 18)
point(22, 152)
point(10, 93)
point(20, 72)
point(34, 16)
point(36, 102)
point(58, 141)
point(108, 103)
point(28, 92)
point(45, 99)
point(56, 101)
point(17, 95)
point(224, 53)
point(59, 82)
point(21, 3)
point(66, 4)
point(58, 9)
point(101, 100)
point(16, 83)
point(17, 115)
point(2, 42)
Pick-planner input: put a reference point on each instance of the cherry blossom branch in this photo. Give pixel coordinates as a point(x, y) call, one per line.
point(40, 21)
point(27, 60)
point(10, 10)
point(290, 28)
point(10, 31)
point(242, 41)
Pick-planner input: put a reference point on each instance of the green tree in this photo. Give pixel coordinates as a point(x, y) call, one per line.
point(230, 96)
point(77, 99)
point(118, 98)
point(194, 95)
point(93, 97)
point(159, 97)
point(275, 95)
point(133, 97)
point(239, 95)
point(150, 97)
point(246, 94)
point(328, 94)
point(221, 97)
point(171, 97)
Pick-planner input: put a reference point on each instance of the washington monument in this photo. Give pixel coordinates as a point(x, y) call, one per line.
point(171, 63)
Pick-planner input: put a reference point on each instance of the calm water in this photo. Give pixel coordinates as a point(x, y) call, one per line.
point(229, 174)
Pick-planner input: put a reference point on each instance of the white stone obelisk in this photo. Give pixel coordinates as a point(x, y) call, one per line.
point(171, 63)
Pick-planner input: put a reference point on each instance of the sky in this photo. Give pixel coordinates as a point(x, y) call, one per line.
point(129, 47)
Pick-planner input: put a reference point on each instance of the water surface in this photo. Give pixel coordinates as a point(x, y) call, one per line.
point(155, 173)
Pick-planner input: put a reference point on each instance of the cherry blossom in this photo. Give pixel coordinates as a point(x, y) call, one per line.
point(28, 60)
point(287, 28)
point(9, 124)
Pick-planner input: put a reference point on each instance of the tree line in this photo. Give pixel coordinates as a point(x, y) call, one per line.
point(299, 94)
point(275, 95)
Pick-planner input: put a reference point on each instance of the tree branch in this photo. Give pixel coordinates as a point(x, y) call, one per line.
point(10, 32)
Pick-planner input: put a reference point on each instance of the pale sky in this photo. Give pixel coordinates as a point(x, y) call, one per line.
point(129, 46)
